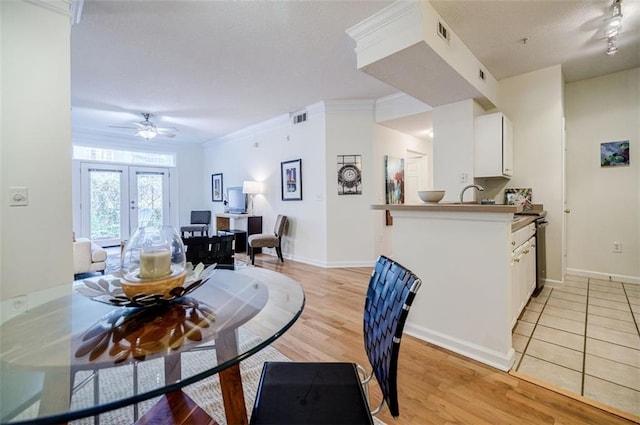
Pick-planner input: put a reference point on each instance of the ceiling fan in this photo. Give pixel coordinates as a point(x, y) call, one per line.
point(147, 129)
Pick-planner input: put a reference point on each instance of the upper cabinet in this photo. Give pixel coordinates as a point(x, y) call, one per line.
point(493, 146)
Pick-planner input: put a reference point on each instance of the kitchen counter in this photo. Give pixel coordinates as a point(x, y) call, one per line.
point(521, 221)
point(462, 253)
point(453, 207)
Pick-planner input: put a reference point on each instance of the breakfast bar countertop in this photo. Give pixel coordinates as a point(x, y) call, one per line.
point(453, 207)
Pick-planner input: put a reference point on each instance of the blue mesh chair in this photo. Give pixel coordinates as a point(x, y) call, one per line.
point(337, 393)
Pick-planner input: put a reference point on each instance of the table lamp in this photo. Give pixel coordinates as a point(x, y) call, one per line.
point(251, 188)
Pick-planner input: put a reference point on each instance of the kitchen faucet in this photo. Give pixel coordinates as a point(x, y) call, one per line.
point(475, 186)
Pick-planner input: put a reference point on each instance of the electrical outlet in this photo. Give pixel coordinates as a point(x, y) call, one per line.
point(617, 247)
point(464, 177)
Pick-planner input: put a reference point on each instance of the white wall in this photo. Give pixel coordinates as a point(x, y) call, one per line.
point(35, 89)
point(255, 153)
point(604, 201)
point(533, 102)
point(349, 217)
point(393, 143)
point(453, 133)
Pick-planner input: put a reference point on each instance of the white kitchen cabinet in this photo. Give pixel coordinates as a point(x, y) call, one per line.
point(493, 146)
point(523, 269)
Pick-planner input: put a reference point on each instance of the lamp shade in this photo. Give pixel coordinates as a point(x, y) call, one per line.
point(251, 187)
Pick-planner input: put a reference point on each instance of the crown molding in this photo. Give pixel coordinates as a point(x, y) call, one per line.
point(62, 7)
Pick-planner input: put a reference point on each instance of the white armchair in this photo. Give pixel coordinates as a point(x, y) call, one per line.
point(88, 257)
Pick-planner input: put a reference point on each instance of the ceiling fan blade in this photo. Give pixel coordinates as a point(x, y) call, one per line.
point(163, 132)
point(120, 126)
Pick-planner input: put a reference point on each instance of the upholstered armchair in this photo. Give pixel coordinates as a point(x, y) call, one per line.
point(88, 257)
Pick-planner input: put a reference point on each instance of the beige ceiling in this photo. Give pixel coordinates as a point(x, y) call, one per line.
point(210, 68)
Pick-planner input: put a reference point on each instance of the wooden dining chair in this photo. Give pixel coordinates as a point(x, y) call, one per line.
point(337, 393)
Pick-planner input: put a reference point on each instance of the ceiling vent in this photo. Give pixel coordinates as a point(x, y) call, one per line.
point(299, 117)
point(443, 32)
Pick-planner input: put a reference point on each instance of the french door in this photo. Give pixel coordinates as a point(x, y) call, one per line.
point(116, 199)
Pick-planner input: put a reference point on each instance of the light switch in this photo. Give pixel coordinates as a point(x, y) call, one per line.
point(18, 196)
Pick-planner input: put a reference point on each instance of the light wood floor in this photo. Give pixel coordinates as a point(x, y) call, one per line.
point(436, 386)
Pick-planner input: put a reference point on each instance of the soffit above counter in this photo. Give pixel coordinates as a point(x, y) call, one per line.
point(400, 46)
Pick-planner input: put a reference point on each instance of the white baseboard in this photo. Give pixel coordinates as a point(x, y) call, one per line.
point(604, 276)
point(502, 361)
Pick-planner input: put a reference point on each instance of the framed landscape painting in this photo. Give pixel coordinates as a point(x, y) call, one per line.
point(291, 180)
point(216, 187)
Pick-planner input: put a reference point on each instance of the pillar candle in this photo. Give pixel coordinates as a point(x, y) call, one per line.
point(155, 264)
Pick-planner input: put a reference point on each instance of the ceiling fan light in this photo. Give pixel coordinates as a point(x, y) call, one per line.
point(147, 133)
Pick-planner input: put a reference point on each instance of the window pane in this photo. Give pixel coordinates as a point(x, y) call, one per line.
point(149, 199)
point(105, 204)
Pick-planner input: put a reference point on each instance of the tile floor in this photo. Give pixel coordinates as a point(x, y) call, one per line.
point(584, 337)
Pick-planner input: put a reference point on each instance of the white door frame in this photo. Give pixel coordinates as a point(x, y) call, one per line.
point(128, 199)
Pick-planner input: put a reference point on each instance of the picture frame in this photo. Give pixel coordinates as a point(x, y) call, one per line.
point(291, 180)
point(613, 154)
point(522, 196)
point(349, 174)
point(217, 189)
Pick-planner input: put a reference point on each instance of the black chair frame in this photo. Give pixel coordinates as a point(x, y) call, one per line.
point(316, 393)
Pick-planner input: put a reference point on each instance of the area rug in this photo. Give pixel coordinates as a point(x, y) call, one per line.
point(205, 393)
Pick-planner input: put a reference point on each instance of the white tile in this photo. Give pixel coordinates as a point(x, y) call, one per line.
point(530, 316)
point(609, 304)
point(611, 371)
point(523, 328)
point(607, 322)
point(609, 283)
point(579, 279)
point(556, 302)
point(534, 306)
point(548, 372)
point(632, 288)
point(614, 395)
point(556, 354)
point(519, 342)
point(609, 312)
point(568, 297)
point(571, 290)
point(562, 324)
point(621, 298)
point(606, 289)
point(611, 335)
point(516, 360)
point(615, 352)
point(558, 337)
point(575, 284)
point(578, 316)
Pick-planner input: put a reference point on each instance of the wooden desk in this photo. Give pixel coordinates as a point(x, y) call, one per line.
point(251, 224)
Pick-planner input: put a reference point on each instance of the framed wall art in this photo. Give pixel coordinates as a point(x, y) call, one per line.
point(614, 153)
point(394, 179)
point(216, 187)
point(519, 197)
point(349, 174)
point(291, 180)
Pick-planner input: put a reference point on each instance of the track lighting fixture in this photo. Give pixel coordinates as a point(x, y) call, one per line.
point(613, 26)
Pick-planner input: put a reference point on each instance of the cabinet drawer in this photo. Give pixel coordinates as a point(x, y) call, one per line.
point(521, 235)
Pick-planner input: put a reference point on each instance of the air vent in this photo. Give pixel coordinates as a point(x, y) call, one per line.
point(481, 74)
point(443, 32)
point(299, 117)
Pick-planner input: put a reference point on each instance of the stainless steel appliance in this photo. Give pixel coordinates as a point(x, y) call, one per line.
point(541, 262)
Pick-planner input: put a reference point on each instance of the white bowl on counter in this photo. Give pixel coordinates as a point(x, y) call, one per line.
point(431, 196)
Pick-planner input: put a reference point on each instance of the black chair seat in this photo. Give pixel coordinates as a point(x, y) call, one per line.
point(332, 393)
point(310, 393)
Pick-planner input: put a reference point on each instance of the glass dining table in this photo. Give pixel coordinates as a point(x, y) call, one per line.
point(52, 350)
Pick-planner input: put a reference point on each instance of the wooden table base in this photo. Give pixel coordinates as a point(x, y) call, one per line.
point(176, 408)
